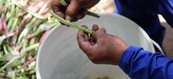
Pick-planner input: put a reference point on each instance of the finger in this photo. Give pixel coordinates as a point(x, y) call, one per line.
point(78, 16)
point(81, 36)
point(73, 19)
point(91, 3)
point(83, 44)
point(60, 14)
point(86, 36)
point(85, 26)
point(55, 2)
point(81, 13)
point(95, 27)
point(58, 8)
point(72, 9)
point(93, 38)
point(98, 34)
point(103, 30)
point(67, 1)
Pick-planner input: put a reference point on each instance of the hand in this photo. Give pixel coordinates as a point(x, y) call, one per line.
point(101, 48)
point(76, 9)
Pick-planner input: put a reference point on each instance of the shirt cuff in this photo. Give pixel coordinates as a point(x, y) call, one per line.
point(125, 60)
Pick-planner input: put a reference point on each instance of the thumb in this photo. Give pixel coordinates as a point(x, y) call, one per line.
point(99, 34)
point(83, 41)
point(72, 9)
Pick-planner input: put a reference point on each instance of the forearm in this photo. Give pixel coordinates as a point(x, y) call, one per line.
point(141, 64)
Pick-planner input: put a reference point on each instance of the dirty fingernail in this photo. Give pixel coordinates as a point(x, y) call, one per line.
point(68, 18)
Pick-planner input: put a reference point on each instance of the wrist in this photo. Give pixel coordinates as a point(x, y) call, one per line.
point(117, 55)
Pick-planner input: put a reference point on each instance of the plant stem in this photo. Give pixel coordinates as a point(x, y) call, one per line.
point(14, 25)
point(20, 55)
point(26, 64)
point(3, 37)
point(80, 27)
point(11, 20)
point(26, 30)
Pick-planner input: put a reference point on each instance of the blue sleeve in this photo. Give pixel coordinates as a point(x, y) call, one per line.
point(166, 10)
point(145, 14)
point(141, 64)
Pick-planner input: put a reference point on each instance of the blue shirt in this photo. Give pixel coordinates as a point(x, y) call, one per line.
point(141, 64)
point(145, 13)
point(136, 62)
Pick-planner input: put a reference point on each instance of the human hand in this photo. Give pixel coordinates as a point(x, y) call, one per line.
point(101, 48)
point(76, 9)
